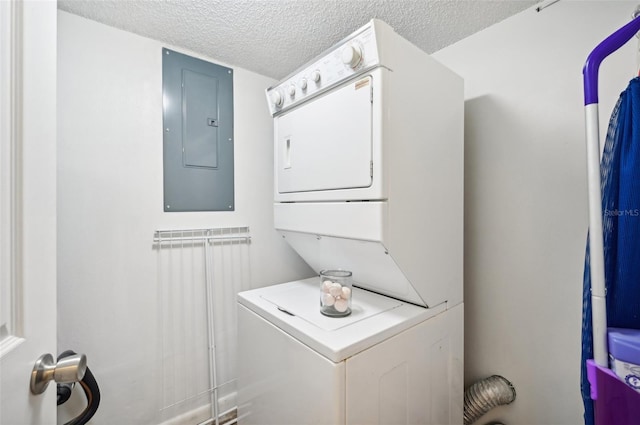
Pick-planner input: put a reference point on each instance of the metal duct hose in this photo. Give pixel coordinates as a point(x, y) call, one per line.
point(486, 394)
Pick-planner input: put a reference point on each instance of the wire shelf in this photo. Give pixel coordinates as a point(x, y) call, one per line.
point(200, 271)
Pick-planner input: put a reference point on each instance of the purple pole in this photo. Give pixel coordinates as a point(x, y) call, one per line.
point(604, 49)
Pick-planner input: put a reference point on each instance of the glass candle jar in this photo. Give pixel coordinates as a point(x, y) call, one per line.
point(335, 293)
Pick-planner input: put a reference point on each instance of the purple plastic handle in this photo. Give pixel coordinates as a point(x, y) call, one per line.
point(604, 49)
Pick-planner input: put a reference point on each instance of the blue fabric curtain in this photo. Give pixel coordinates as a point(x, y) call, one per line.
point(620, 173)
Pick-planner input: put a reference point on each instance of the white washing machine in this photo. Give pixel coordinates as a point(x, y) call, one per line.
point(389, 362)
point(368, 178)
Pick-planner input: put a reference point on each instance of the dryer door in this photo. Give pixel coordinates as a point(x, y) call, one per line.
point(326, 144)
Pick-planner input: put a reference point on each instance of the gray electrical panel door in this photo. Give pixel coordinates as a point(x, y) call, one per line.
point(198, 134)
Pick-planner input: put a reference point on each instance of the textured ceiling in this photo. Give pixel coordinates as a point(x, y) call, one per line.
point(274, 37)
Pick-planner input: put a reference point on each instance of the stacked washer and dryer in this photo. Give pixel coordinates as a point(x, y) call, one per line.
point(368, 178)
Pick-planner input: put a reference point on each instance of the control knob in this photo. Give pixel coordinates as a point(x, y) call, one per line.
point(303, 84)
point(292, 91)
point(276, 98)
point(352, 55)
point(315, 76)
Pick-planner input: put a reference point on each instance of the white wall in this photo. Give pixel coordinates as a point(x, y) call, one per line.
point(526, 199)
point(110, 203)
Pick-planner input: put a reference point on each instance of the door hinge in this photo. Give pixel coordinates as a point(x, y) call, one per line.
point(371, 94)
point(371, 169)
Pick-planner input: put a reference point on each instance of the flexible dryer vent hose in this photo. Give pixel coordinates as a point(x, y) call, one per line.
point(486, 394)
point(91, 391)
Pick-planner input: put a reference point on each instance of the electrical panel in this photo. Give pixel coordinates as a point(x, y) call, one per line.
point(197, 101)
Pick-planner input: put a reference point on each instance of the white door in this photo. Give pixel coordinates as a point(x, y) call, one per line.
point(326, 144)
point(27, 206)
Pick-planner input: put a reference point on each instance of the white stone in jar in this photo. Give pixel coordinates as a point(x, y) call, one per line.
point(335, 289)
point(346, 293)
point(341, 305)
point(326, 286)
point(328, 300)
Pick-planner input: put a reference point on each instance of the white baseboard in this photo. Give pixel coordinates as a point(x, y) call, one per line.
point(200, 414)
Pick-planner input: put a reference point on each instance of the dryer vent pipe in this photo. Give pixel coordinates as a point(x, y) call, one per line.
point(486, 394)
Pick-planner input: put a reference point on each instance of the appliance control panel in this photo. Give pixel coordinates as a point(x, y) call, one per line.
point(356, 54)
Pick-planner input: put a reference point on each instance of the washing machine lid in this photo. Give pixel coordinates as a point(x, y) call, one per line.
point(301, 301)
point(294, 307)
